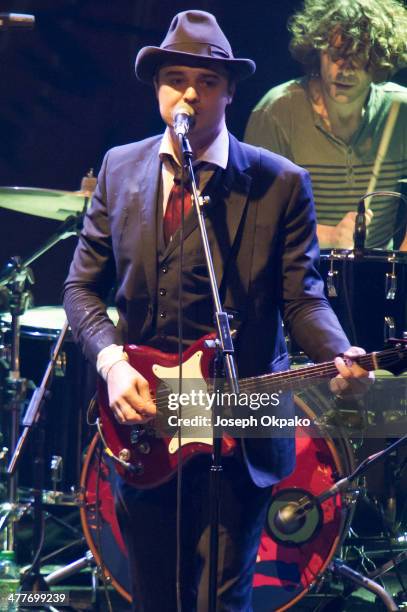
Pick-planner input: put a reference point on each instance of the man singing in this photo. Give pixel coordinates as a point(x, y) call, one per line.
point(261, 229)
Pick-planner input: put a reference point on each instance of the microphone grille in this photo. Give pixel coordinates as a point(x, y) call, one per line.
point(183, 109)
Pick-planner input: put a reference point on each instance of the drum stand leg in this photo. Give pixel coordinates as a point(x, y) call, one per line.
point(95, 590)
point(76, 566)
point(70, 569)
point(339, 568)
point(401, 596)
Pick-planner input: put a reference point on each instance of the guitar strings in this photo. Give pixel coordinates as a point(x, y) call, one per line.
point(292, 378)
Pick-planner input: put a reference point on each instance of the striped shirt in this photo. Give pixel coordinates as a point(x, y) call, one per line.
point(285, 122)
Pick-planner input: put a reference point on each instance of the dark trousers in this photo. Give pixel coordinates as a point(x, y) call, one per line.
point(148, 524)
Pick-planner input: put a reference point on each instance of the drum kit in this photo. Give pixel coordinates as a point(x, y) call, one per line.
point(367, 292)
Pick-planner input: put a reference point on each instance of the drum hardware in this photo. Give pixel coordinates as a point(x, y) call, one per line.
point(32, 580)
point(367, 293)
point(391, 280)
point(72, 568)
point(4, 351)
point(359, 236)
point(49, 498)
point(60, 364)
point(297, 519)
point(15, 277)
point(291, 514)
point(339, 568)
point(283, 573)
point(19, 21)
point(10, 513)
point(401, 597)
point(56, 471)
point(76, 566)
point(332, 281)
point(339, 603)
point(360, 232)
point(49, 203)
point(389, 328)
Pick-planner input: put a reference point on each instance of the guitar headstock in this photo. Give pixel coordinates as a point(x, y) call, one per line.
point(394, 359)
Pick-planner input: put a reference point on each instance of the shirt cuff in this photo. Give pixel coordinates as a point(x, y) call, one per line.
point(107, 357)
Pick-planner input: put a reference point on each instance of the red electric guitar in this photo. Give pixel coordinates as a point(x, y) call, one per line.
point(147, 455)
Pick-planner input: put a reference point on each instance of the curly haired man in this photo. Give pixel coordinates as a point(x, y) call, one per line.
point(334, 120)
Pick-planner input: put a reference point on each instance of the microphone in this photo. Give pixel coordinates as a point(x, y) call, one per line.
point(183, 117)
point(16, 20)
point(295, 515)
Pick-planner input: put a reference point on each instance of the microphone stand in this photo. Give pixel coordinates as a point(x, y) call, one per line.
point(224, 364)
point(360, 229)
point(289, 515)
point(360, 232)
point(289, 519)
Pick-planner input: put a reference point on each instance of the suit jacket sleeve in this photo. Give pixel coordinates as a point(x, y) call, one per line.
point(91, 276)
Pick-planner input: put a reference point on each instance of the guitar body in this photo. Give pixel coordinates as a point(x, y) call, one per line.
point(150, 454)
point(147, 455)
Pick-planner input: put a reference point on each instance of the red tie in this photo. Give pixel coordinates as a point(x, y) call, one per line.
point(173, 212)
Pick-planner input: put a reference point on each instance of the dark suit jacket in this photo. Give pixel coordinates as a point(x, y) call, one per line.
point(262, 234)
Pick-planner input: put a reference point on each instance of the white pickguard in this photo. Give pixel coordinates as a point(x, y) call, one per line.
point(192, 380)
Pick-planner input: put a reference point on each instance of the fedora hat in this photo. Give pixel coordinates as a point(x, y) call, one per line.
point(195, 39)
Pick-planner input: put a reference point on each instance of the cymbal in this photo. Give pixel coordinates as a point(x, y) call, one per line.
point(48, 203)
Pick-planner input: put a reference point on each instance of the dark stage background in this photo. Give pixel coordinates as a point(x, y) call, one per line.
point(69, 92)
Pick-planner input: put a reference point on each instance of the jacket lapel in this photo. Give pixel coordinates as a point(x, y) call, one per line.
point(150, 171)
point(226, 219)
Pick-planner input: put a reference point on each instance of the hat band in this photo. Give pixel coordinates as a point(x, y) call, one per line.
point(205, 49)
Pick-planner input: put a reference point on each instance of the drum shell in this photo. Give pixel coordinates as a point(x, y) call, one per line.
point(362, 303)
point(328, 460)
point(63, 412)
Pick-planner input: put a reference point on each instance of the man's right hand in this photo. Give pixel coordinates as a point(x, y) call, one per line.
point(341, 236)
point(129, 395)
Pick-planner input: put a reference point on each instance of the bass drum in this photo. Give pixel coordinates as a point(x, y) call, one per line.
point(62, 422)
point(287, 566)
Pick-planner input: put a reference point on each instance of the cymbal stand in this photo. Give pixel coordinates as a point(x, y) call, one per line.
point(32, 579)
point(15, 277)
point(19, 297)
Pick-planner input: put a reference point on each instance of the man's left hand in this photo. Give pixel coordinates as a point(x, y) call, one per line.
point(352, 378)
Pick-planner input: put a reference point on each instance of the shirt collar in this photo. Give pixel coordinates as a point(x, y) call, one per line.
point(217, 153)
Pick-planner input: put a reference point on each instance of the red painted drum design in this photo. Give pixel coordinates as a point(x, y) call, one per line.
point(287, 565)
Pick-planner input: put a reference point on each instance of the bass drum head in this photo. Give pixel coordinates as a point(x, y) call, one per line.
point(287, 566)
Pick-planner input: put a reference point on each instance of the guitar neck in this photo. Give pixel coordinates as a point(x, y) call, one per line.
point(300, 378)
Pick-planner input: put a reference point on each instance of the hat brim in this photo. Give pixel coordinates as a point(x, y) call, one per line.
point(149, 59)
